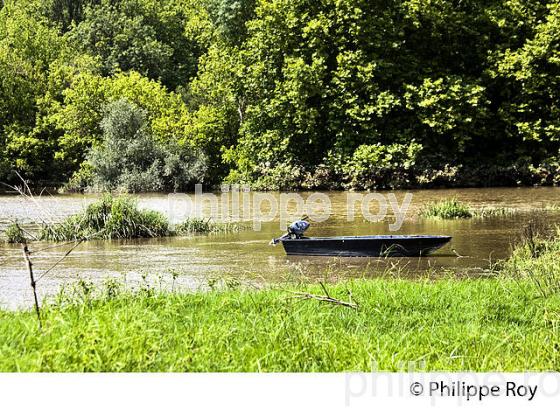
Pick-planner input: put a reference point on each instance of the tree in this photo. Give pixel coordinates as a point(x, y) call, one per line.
point(141, 35)
point(230, 16)
point(130, 159)
point(78, 117)
point(28, 46)
point(532, 71)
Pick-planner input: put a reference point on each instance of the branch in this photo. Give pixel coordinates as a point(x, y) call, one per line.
point(327, 299)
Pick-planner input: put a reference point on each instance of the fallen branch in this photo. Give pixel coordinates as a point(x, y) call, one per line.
point(327, 298)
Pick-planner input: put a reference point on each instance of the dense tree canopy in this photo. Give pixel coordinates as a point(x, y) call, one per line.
point(287, 93)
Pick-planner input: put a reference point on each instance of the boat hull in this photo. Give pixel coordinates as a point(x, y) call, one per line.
point(378, 245)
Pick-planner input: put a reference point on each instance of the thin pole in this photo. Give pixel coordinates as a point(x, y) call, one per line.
point(33, 283)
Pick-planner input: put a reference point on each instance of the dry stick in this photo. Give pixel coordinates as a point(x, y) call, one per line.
point(33, 283)
point(328, 299)
point(325, 289)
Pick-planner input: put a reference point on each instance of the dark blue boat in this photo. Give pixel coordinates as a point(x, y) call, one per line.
point(374, 245)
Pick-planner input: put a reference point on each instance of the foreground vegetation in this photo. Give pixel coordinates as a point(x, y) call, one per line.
point(508, 321)
point(279, 93)
point(475, 324)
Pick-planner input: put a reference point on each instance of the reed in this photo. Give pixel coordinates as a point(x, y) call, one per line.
point(536, 258)
point(449, 208)
point(489, 212)
point(200, 225)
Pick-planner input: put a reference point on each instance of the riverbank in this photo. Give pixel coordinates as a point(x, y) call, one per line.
point(444, 325)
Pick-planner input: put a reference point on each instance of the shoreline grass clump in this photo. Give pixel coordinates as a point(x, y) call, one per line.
point(201, 225)
point(537, 258)
point(15, 234)
point(109, 218)
point(444, 325)
point(489, 212)
point(447, 209)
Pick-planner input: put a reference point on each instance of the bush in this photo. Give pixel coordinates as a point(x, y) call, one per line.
point(131, 160)
point(109, 218)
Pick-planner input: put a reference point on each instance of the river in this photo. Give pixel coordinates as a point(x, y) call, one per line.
point(245, 256)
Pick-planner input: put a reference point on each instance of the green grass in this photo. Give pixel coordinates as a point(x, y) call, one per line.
point(444, 325)
point(509, 321)
point(447, 209)
point(488, 212)
point(109, 218)
point(537, 259)
point(14, 234)
point(200, 225)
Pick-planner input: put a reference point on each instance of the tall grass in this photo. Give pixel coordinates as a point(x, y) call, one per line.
point(14, 233)
point(109, 218)
point(449, 208)
point(537, 257)
point(487, 212)
point(445, 325)
point(200, 225)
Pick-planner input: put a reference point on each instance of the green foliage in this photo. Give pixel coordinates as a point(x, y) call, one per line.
point(230, 16)
point(323, 79)
point(109, 218)
point(79, 116)
point(145, 36)
point(447, 209)
point(27, 47)
point(535, 258)
point(443, 325)
point(449, 108)
point(64, 13)
point(532, 71)
point(382, 166)
point(285, 94)
point(129, 158)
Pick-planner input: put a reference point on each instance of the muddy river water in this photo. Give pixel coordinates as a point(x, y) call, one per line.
point(245, 256)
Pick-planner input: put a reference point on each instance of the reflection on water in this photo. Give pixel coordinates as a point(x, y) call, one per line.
point(246, 255)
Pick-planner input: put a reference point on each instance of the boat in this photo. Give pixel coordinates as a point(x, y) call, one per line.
point(371, 245)
point(295, 243)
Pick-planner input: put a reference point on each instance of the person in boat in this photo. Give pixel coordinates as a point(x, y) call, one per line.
point(295, 231)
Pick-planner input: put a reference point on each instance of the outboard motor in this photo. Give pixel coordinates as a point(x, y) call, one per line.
point(298, 228)
point(295, 231)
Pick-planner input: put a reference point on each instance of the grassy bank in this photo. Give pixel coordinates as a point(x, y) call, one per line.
point(482, 325)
